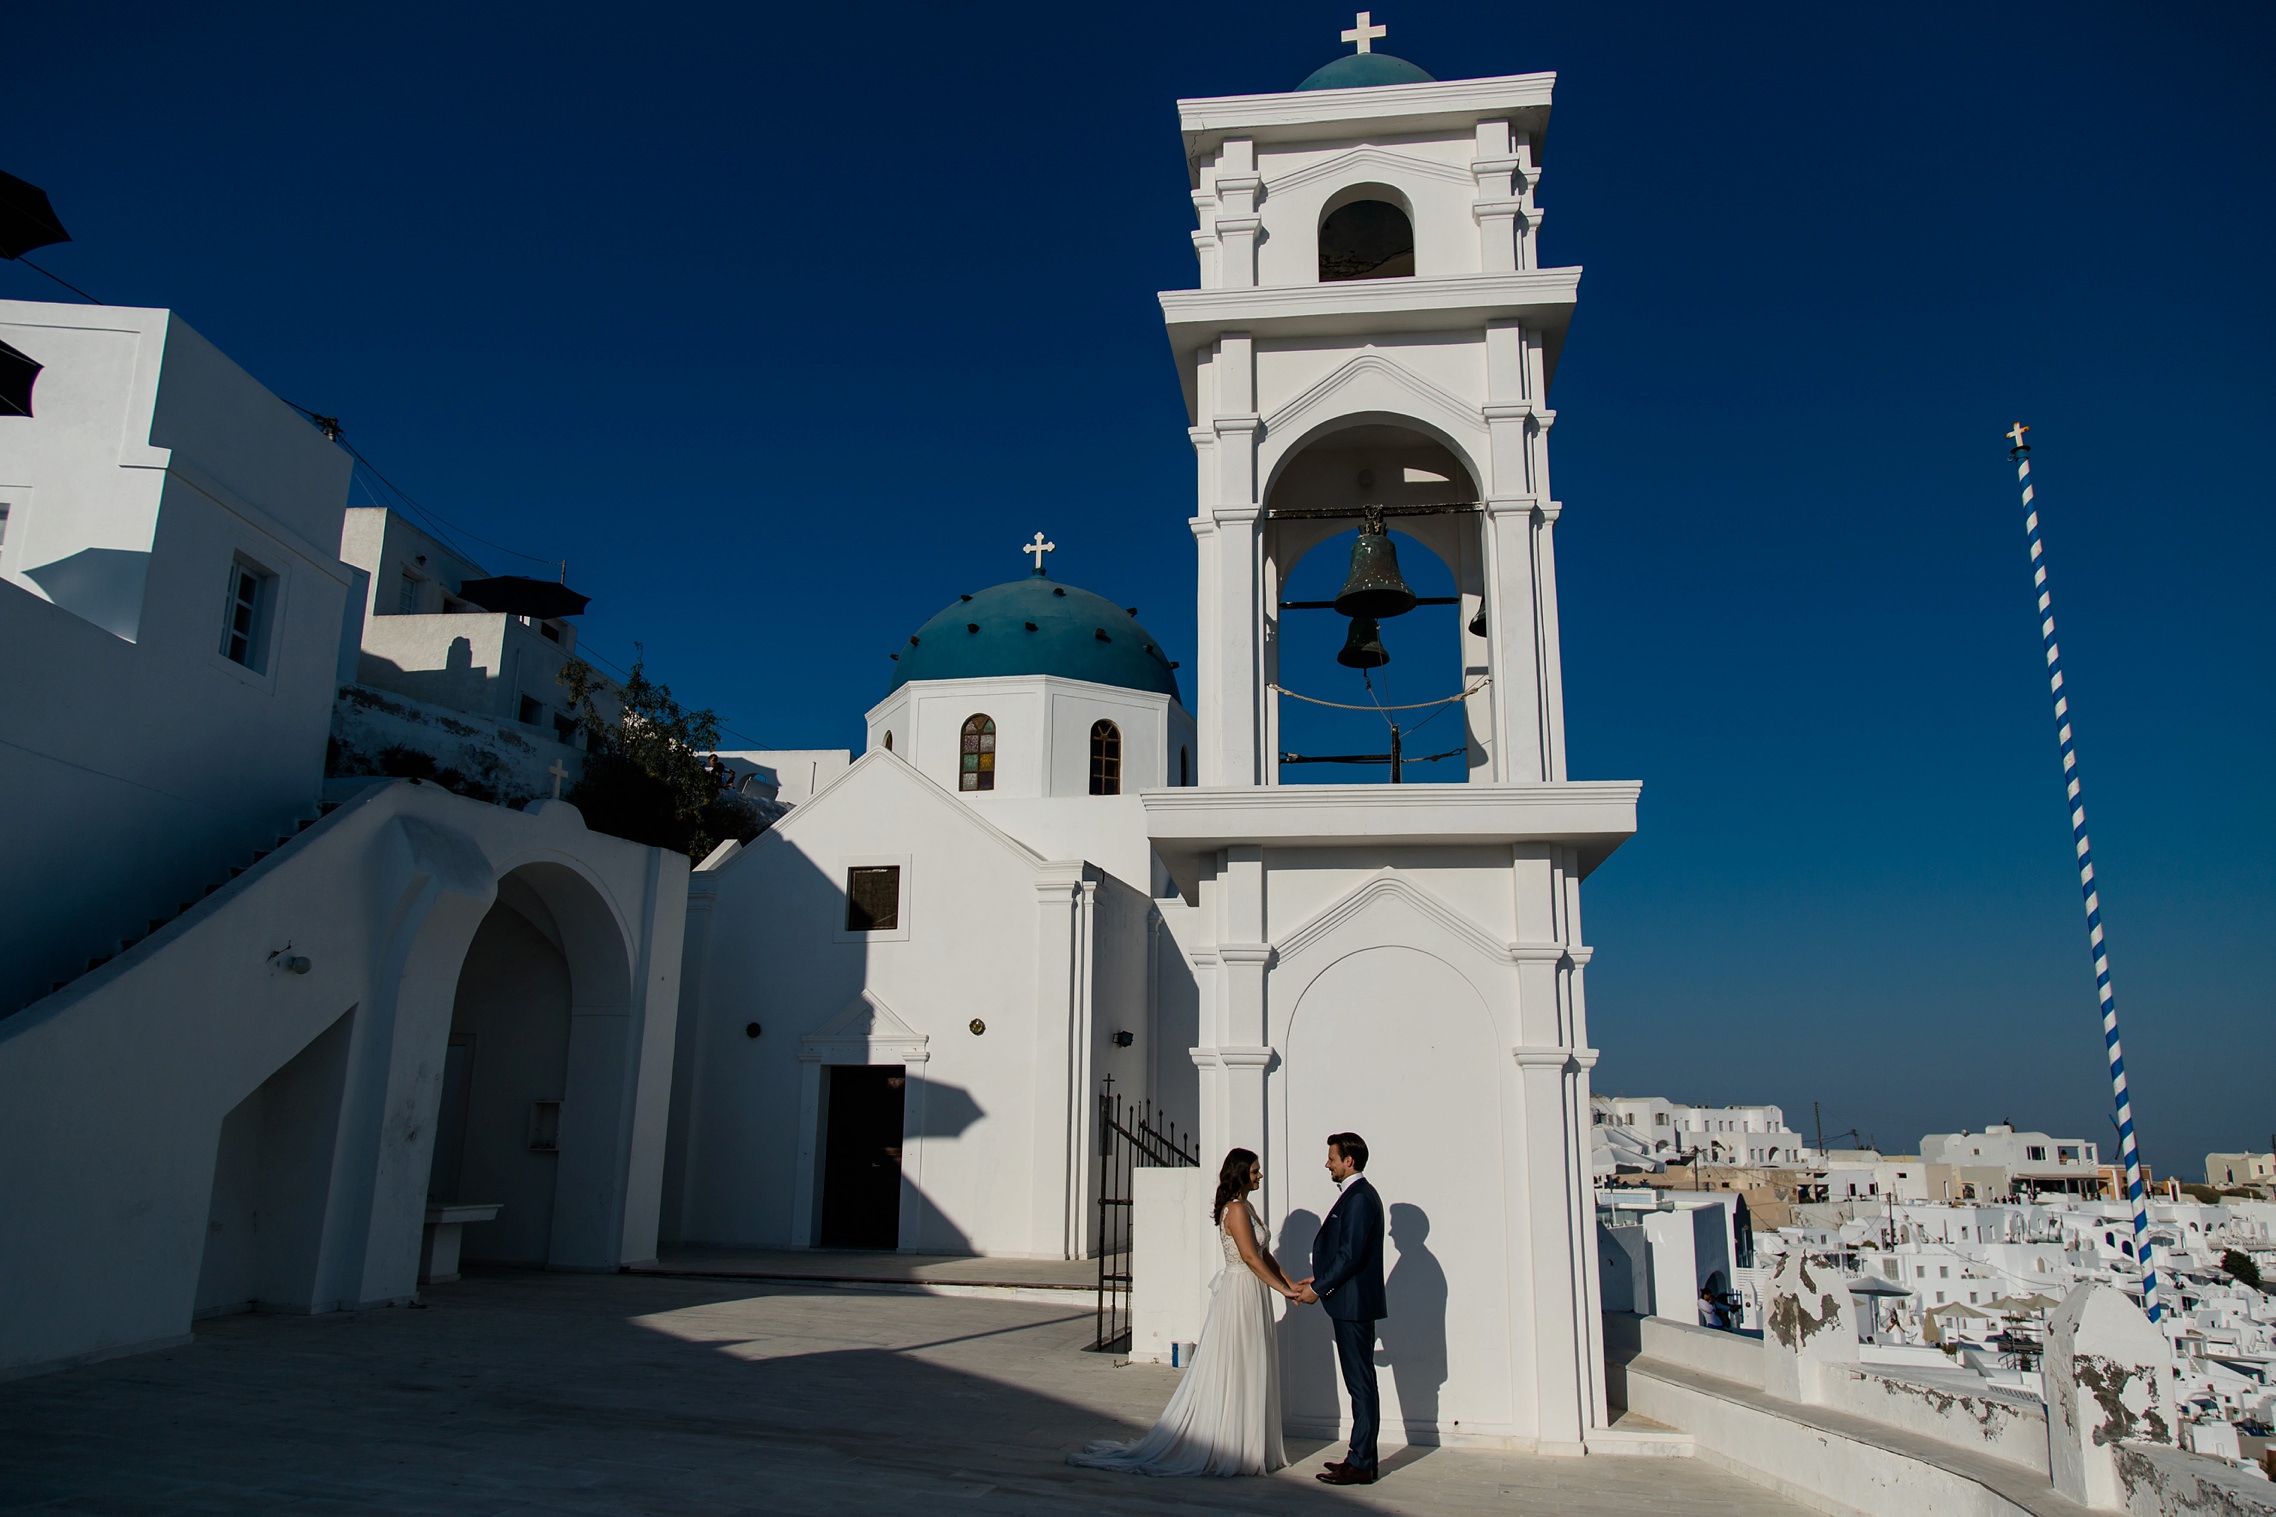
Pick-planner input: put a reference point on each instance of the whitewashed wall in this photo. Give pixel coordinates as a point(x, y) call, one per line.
point(198, 1126)
point(150, 465)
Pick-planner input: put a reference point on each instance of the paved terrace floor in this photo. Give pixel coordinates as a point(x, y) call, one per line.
point(530, 1393)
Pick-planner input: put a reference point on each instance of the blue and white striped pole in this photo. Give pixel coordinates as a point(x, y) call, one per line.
point(2136, 1192)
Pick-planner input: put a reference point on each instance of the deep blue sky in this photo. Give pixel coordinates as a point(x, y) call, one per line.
point(784, 325)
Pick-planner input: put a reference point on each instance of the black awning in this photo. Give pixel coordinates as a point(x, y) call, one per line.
point(518, 596)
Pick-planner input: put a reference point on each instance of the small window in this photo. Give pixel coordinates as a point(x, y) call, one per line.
point(532, 712)
point(873, 898)
point(889, 740)
point(3, 524)
point(1185, 765)
point(244, 635)
point(1106, 759)
point(551, 630)
point(2036, 1153)
point(407, 594)
point(1367, 239)
point(565, 730)
point(545, 1127)
point(978, 769)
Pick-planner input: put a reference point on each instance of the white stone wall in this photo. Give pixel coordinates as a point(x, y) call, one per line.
point(152, 465)
point(1053, 955)
point(243, 1108)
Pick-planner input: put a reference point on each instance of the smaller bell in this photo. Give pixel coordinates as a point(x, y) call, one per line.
point(1374, 588)
point(1364, 649)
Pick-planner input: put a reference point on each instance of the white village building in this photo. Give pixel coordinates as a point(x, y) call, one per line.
point(259, 1050)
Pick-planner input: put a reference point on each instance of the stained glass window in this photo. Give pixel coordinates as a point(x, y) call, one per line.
point(979, 756)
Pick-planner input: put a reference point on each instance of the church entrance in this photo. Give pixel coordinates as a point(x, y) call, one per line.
point(861, 1163)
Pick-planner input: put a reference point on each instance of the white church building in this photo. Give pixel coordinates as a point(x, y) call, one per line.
point(901, 1003)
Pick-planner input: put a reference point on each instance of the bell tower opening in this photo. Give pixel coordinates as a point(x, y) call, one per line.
point(1372, 534)
point(1366, 239)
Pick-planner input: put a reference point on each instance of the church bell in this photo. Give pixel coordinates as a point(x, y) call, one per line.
point(1373, 589)
point(1364, 649)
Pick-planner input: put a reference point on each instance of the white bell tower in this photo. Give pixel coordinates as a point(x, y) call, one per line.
point(1372, 335)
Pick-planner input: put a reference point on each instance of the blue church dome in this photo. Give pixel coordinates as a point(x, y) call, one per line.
point(1356, 71)
point(1032, 626)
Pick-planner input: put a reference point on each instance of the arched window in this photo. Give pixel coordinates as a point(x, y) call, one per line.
point(1185, 765)
point(889, 740)
point(1106, 759)
point(979, 765)
point(1367, 239)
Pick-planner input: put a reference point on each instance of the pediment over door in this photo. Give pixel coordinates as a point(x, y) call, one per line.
point(867, 1031)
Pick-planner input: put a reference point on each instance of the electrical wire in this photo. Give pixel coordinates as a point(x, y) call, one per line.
point(59, 279)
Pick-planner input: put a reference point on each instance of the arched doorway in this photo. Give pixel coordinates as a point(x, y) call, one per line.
point(534, 1073)
point(1316, 504)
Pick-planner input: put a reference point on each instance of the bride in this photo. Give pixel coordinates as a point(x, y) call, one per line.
point(1224, 1417)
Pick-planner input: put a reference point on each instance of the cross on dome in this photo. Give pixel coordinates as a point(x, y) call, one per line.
point(1039, 547)
point(1365, 33)
point(2015, 433)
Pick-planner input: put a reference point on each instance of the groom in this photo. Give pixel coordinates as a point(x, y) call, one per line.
point(1347, 1274)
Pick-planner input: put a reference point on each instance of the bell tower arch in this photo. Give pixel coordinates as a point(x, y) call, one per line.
point(1453, 340)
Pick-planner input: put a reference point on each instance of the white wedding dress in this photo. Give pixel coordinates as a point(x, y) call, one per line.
point(1224, 1417)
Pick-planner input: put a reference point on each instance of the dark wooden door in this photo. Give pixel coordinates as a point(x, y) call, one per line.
point(861, 1165)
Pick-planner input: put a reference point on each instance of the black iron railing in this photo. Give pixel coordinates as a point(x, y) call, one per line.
point(1132, 1136)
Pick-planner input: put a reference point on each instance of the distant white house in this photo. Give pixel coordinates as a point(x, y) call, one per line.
point(436, 671)
point(1750, 1135)
point(2000, 1161)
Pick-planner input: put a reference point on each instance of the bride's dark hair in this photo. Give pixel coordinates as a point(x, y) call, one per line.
point(1232, 1180)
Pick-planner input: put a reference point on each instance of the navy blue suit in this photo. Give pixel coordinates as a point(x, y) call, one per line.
point(1347, 1275)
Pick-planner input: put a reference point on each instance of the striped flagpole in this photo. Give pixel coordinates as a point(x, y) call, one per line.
point(2136, 1192)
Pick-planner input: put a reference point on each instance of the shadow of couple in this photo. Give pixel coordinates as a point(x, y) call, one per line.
point(1411, 1340)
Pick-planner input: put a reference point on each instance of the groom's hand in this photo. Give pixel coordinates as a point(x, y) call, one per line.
point(1305, 1293)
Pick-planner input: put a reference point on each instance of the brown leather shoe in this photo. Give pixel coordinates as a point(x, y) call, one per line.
point(1333, 1464)
point(1344, 1474)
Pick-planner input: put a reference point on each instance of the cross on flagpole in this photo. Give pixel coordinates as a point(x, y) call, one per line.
point(1365, 33)
point(2129, 1150)
point(1039, 547)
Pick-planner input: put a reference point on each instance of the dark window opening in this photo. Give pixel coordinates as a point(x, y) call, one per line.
point(873, 898)
point(888, 740)
point(532, 712)
point(1106, 759)
point(978, 767)
point(1367, 239)
point(1185, 766)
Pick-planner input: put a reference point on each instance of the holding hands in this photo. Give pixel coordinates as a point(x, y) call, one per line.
point(1304, 1295)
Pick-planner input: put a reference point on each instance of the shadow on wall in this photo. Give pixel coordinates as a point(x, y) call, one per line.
point(1307, 1341)
point(1413, 1337)
point(100, 585)
point(948, 1111)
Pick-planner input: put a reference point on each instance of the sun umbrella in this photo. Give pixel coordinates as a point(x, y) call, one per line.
point(27, 221)
point(17, 371)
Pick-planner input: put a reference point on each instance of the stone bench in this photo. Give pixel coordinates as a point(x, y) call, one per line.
point(438, 1248)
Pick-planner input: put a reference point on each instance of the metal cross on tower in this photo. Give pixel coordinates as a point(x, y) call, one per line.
point(1366, 34)
point(1039, 547)
point(2136, 1192)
